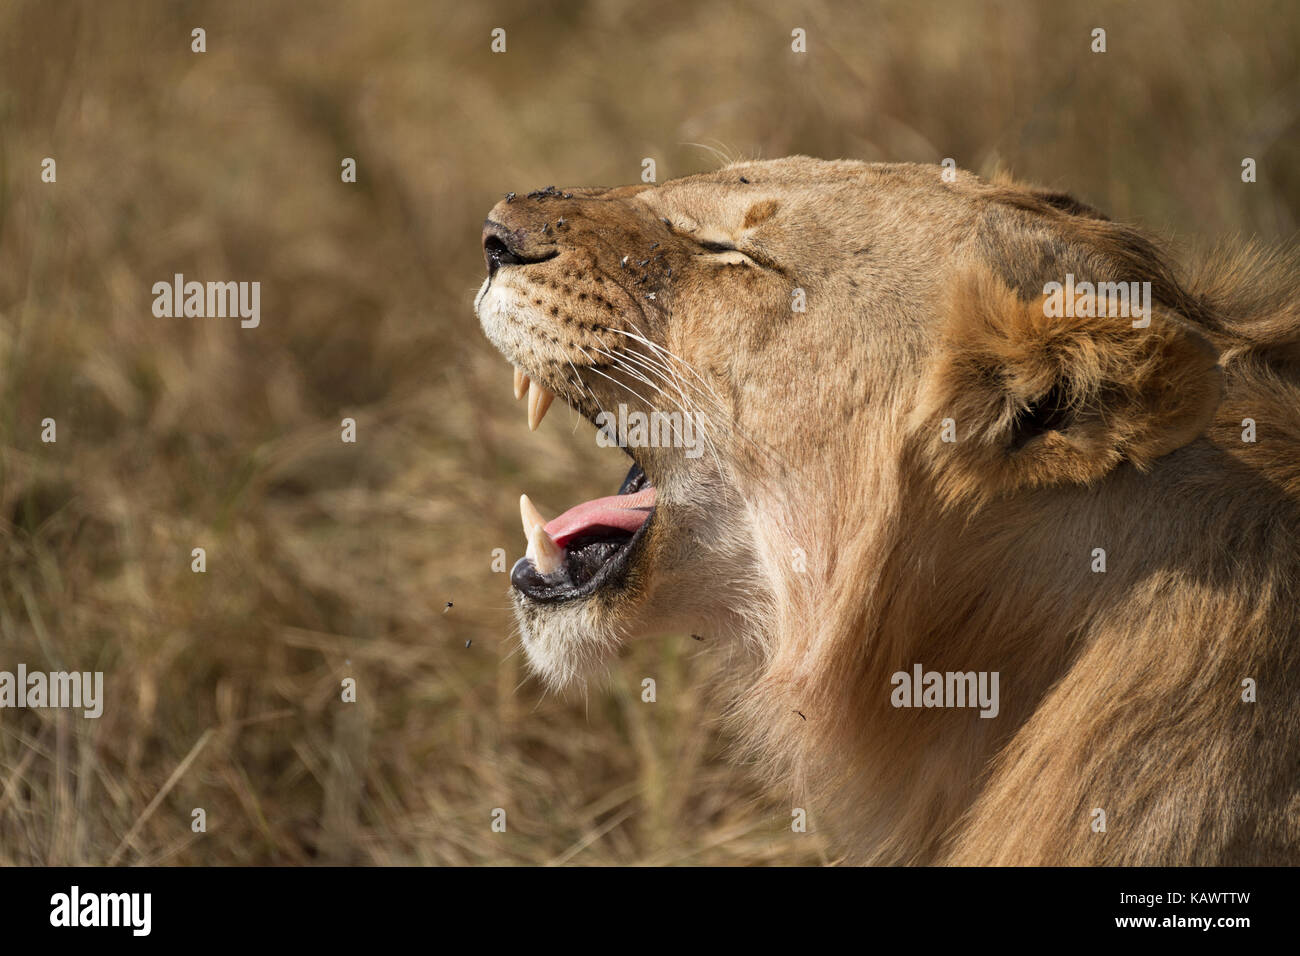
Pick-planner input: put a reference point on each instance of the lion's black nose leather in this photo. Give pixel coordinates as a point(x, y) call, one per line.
point(501, 247)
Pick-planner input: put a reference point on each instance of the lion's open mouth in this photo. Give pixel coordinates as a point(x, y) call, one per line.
point(591, 545)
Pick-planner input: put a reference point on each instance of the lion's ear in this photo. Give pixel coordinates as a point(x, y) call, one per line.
point(1024, 396)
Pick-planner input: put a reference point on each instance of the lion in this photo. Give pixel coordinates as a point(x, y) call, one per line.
point(918, 461)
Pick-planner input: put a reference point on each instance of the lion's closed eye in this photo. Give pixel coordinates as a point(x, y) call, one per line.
point(726, 253)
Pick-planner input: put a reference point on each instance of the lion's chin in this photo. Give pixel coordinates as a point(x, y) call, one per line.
point(580, 586)
point(565, 643)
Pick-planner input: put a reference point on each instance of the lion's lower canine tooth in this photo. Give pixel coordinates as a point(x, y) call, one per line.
point(521, 384)
point(539, 400)
point(543, 551)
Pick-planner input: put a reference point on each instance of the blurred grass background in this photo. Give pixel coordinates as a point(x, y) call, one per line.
point(328, 560)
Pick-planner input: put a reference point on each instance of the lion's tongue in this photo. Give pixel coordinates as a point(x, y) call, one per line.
point(624, 512)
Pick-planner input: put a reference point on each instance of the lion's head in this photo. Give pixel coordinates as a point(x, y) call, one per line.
point(868, 434)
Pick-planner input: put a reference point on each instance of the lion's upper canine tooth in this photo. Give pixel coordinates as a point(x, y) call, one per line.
point(529, 514)
point(542, 549)
point(521, 384)
point(539, 400)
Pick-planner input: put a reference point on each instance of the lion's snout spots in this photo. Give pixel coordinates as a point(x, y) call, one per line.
point(582, 274)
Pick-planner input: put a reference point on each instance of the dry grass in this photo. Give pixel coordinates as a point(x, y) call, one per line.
point(326, 559)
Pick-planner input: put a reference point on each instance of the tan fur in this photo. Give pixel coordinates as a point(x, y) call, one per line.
point(834, 538)
point(1129, 395)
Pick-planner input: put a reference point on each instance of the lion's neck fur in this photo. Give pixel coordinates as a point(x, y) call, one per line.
point(1178, 619)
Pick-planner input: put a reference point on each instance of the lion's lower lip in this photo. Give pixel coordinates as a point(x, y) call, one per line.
point(589, 565)
point(592, 556)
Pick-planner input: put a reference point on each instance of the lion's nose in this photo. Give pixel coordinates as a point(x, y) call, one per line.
point(501, 247)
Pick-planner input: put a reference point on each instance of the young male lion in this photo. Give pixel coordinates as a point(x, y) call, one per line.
point(960, 440)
